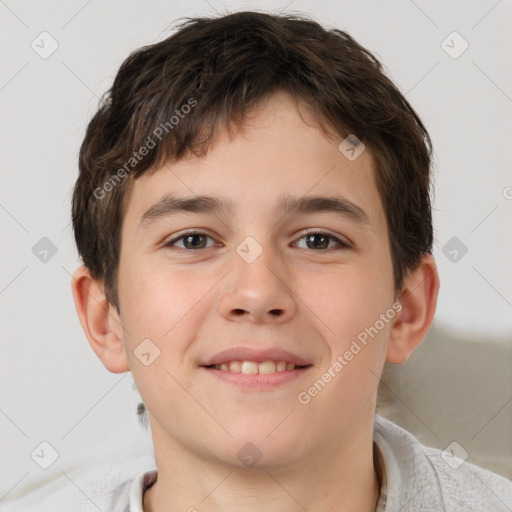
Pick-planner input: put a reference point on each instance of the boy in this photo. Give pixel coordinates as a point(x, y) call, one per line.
point(254, 219)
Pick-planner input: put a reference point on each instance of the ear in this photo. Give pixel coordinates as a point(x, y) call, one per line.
point(419, 300)
point(100, 321)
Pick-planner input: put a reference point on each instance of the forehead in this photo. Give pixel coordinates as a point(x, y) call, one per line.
point(278, 154)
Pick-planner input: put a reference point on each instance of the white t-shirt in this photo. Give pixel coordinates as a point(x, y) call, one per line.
point(414, 478)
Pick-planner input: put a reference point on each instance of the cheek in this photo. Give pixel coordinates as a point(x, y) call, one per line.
point(344, 300)
point(164, 303)
point(347, 306)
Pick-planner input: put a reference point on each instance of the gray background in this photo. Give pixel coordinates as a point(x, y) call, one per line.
point(458, 385)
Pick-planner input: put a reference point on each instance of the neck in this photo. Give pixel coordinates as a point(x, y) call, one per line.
point(336, 477)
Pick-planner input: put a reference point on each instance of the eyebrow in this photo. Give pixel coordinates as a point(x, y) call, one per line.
point(171, 205)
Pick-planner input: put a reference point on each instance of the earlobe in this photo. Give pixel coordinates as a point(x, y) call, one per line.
point(419, 301)
point(99, 320)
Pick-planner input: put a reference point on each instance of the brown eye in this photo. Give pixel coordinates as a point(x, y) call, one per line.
point(191, 241)
point(321, 241)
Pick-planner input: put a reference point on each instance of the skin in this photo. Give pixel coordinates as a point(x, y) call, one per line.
point(192, 303)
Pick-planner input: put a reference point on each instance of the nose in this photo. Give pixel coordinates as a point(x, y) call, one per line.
point(259, 291)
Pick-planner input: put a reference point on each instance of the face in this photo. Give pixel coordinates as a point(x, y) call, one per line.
point(313, 285)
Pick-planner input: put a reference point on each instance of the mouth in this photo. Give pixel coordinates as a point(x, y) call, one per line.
point(255, 367)
point(254, 375)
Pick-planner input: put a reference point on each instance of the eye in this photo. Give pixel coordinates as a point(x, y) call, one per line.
point(314, 240)
point(320, 240)
point(192, 240)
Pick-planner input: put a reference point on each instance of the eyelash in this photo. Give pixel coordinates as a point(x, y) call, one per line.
point(341, 244)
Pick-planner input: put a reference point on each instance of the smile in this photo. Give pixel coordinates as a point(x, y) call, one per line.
point(254, 367)
point(264, 375)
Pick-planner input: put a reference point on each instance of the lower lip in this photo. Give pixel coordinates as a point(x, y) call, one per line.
point(258, 380)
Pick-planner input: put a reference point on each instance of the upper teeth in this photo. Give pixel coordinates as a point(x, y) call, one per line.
point(252, 367)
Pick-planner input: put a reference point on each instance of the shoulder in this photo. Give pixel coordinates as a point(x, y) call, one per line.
point(466, 485)
point(435, 479)
point(92, 487)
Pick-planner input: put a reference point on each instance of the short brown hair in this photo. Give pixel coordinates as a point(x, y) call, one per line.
point(221, 67)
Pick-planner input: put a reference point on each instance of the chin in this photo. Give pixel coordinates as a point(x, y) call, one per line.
point(254, 450)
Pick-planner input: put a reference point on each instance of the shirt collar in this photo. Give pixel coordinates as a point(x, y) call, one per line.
point(142, 482)
point(398, 458)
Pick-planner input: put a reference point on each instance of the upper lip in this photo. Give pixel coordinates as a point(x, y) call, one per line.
point(255, 354)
